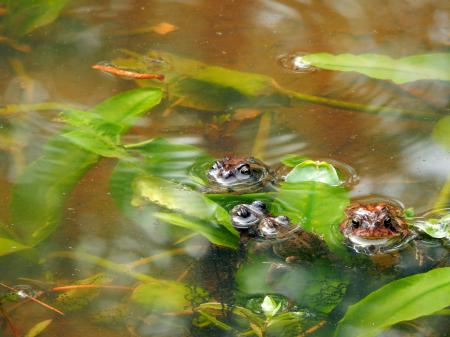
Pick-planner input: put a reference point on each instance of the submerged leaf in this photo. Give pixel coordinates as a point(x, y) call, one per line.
point(38, 328)
point(316, 207)
point(214, 233)
point(406, 69)
point(441, 132)
point(161, 296)
point(318, 171)
point(10, 246)
point(40, 191)
point(401, 300)
point(24, 16)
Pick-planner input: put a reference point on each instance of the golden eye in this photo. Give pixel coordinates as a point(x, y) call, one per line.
point(244, 169)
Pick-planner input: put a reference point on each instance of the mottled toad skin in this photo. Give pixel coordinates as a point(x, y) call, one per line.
point(375, 228)
point(287, 240)
point(240, 175)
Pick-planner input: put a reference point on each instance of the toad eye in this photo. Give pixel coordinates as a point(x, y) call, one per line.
point(259, 205)
point(243, 212)
point(387, 222)
point(283, 220)
point(244, 169)
point(356, 223)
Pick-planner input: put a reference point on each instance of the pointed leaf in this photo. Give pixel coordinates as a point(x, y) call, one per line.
point(38, 328)
point(9, 246)
point(41, 190)
point(310, 170)
point(407, 69)
point(401, 300)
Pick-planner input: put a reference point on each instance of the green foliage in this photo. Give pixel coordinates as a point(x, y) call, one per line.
point(441, 132)
point(407, 69)
point(161, 296)
point(24, 16)
point(401, 300)
point(292, 160)
point(38, 328)
point(316, 207)
point(436, 228)
point(41, 190)
point(310, 170)
point(203, 213)
point(319, 287)
point(10, 246)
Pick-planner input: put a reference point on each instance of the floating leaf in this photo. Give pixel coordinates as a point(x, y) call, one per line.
point(162, 296)
point(441, 132)
point(316, 207)
point(175, 197)
point(24, 16)
point(318, 171)
point(270, 307)
point(436, 228)
point(38, 328)
point(10, 246)
point(40, 191)
point(406, 69)
point(401, 300)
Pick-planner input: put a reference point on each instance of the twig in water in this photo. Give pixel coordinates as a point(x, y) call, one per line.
point(127, 73)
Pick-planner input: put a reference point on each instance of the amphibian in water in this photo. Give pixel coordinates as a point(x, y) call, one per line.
point(287, 240)
point(239, 175)
point(375, 228)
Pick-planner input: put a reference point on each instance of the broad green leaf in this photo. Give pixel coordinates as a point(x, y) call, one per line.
point(24, 16)
point(209, 229)
point(93, 133)
point(316, 207)
point(38, 328)
point(40, 191)
point(197, 85)
point(401, 300)
point(9, 246)
point(177, 198)
point(310, 170)
point(161, 296)
point(270, 307)
point(156, 157)
point(436, 228)
point(402, 70)
point(441, 132)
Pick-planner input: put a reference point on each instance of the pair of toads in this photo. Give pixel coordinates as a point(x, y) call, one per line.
point(373, 228)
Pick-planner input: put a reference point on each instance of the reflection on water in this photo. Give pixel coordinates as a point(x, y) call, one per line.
point(394, 156)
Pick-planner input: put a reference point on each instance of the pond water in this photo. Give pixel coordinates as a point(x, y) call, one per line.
point(84, 224)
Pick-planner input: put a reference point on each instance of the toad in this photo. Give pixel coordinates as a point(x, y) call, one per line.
point(287, 240)
point(239, 175)
point(375, 228)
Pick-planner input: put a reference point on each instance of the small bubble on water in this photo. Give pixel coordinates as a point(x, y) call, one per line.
point(296, 62)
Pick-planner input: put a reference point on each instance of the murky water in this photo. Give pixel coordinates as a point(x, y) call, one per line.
point(395, 156)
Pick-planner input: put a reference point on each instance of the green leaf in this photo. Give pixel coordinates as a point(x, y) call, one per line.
point(93, 133)
point(38, 328)
point(177, 198)
point(24, 16)
point(316, 207)
point(209, 229)
point(161, 296)
point(318, 171)
point(9, 246)
point(270, 307)
point(436, 228)
point(156, 157)
point(41, 190)
point(407, 69)
point(441, 133)
point(292, 160)
point(401, 300)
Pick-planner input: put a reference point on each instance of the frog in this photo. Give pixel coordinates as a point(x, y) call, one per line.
point(375, 228)
point(287, 240)
point(239, 175)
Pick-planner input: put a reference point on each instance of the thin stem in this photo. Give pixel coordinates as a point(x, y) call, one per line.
point(9, 322)
point(12, 109)
point(372, 109)
point(91, 286)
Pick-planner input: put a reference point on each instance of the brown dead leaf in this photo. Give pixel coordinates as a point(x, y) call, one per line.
point(244, 114)
point(164, 28)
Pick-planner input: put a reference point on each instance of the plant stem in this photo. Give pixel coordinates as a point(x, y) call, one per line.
point(443, 199)
point(12, 109)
